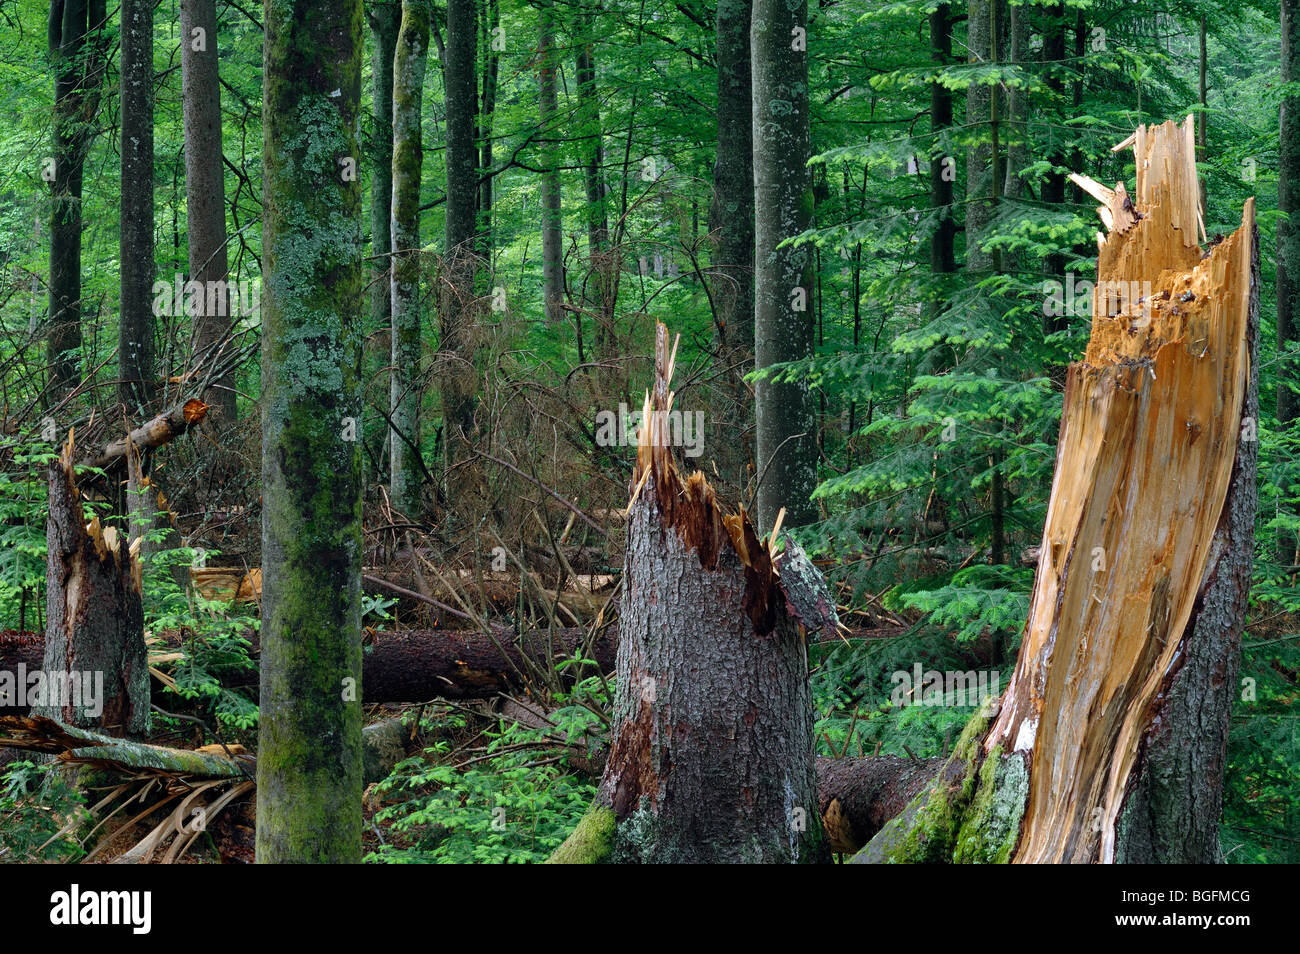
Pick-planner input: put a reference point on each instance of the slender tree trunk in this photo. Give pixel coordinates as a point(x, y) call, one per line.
point(135, 352)
point(75, 43)
point(697, 771)
point(552, 214)
point(1288, 246)
point(731, 227)
point(982, 113)
point(309, 760)
point(1288, 228)
point(385, 18)
point(491, 38)
point(783, 329)
point(408, 157)
point(599, 283)
point(1054, 184)
point(205, 185)
point(943, 258)
point(458, 376)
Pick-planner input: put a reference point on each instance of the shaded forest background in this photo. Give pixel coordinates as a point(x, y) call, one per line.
point(946, 247)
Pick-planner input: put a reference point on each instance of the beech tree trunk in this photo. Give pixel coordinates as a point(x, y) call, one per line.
point(135, 343)
point(309, 766)
point(457, 374)
point(1110, 742)
point(205, 184)
point(385, 19)
point(408, 157)
point(731, 227)
point(552, 214)
point(94, 629)
point(711, 758)
point(783, 329)
point(76, 51)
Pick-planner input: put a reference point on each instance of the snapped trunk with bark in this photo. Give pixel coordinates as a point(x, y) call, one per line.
point(711, 758)
point(95, 668)
point(1110, 742)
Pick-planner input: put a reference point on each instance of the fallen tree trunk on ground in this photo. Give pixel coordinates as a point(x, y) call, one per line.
point(419, 664)
point(1111, 738)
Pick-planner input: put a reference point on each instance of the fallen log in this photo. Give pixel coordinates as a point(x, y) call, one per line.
point(1110, 741)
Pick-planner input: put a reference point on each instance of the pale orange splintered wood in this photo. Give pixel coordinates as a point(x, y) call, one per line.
point(1149, 434)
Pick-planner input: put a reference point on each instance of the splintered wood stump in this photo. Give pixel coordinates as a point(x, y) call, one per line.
point(711, 758)
point(95, 667)
point(1111, 737)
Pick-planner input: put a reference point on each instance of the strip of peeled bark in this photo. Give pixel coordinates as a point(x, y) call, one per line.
point(94, 631)
point(1111, 738)
point(408, 159)
point(711, 758)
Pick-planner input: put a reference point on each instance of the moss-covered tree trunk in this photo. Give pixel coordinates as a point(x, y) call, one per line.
point(458, 377)
point(552, 215)
point(711, 758)
point(783, 329)
point(309, 764)
point(408, 158)
point(205, 185)
point(135, 344)
point(75, 43)
point(1111, 739)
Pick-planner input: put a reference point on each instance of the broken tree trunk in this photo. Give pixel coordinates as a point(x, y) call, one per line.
point(95, 669)
point(711, 756)
point(153, 434)
point(1111, 737)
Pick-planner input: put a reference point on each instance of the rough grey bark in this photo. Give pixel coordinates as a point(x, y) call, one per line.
point(598, 285)
point(309, 767)
point(942, 178)
point(783, 329)
point(135, 343)
point(731, 226)
point(982, 106)
point(1053, 193)
point(1173, 811)
point(95, 620)
point(552, 215)
point(385, 18)
point(205, 184)
point(405, 377)
point(491, 20)
point(1288, 241)
point(457, 374)
point(711, 752)
point(76, 52)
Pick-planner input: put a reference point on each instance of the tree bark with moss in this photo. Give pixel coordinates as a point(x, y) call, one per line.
point(552, 216)
point(408, 157)
point(309, 767)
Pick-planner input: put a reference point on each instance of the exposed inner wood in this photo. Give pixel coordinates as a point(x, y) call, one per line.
point(1149, 434)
